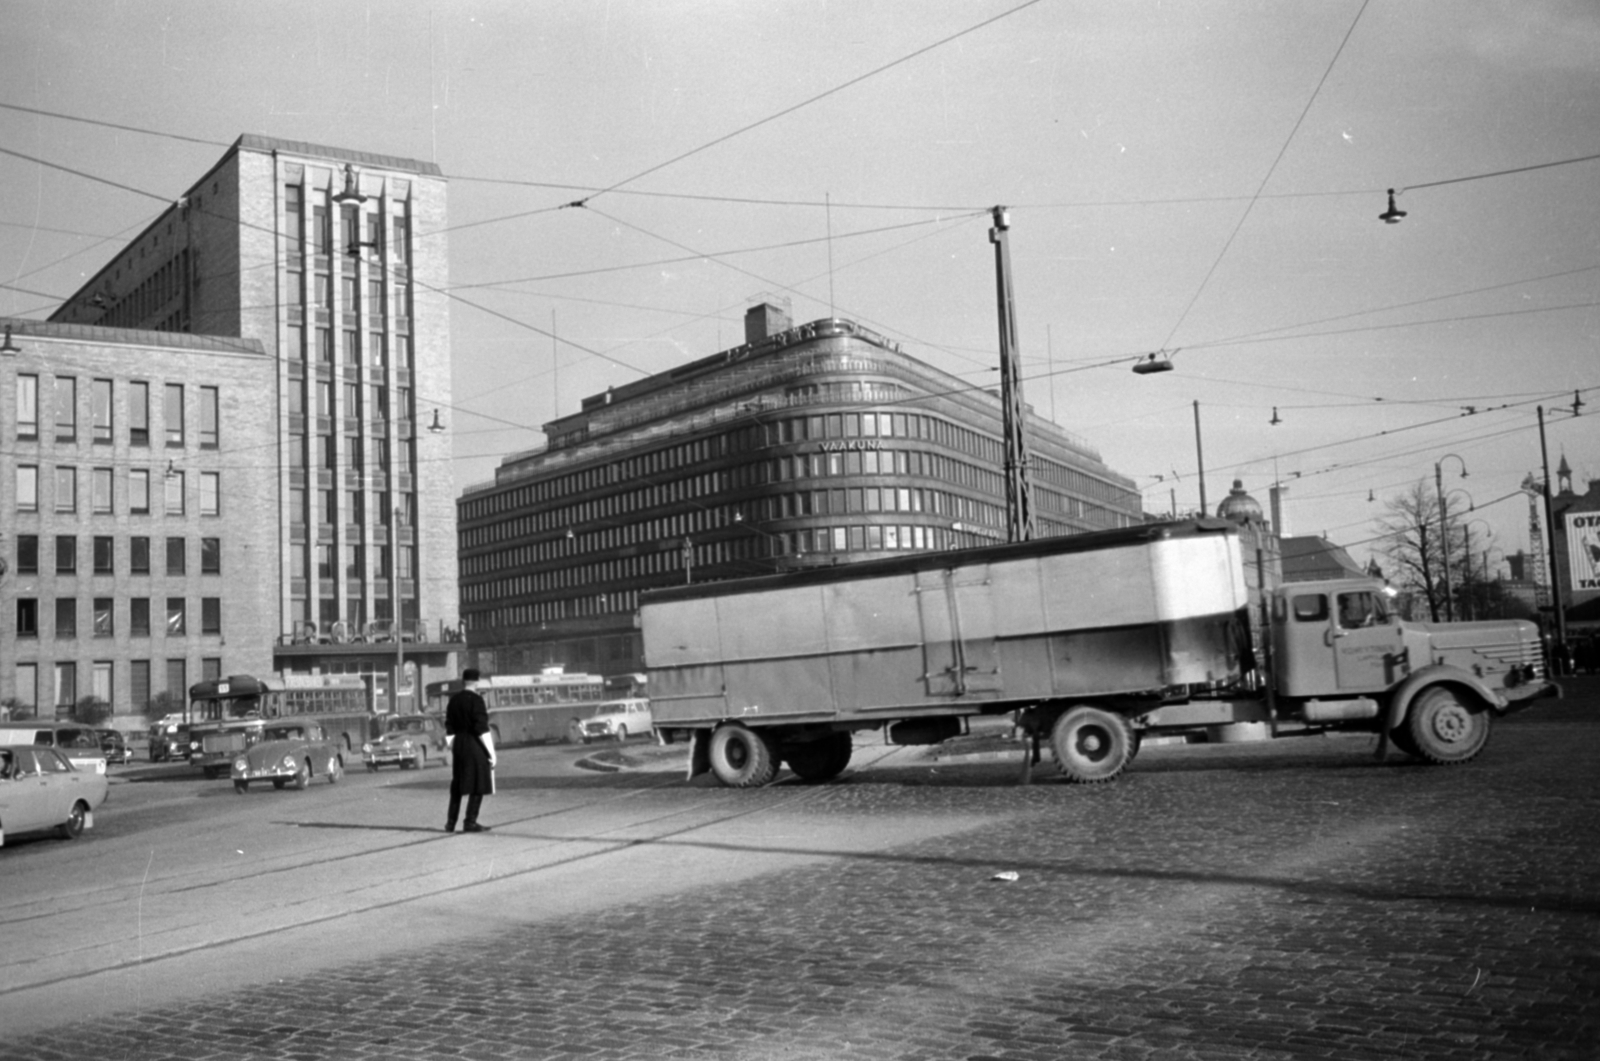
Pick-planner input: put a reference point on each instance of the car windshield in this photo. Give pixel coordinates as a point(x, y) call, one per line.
point(407, 725)
point(283, 733)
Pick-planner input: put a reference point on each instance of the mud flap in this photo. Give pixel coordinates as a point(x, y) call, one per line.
point(699, 754)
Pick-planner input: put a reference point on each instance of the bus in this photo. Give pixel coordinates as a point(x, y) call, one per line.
point(227, 713)
point(528, 708)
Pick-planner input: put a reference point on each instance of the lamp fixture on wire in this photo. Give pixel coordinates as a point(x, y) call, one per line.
point(1276, 419)
point(1156, 361)
point(436, 427)
point(1392, 215)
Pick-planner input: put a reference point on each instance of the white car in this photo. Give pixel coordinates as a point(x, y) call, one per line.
point(40, 790)
point(612, 720)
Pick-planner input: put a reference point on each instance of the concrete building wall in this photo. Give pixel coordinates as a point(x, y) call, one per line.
point(236, 510)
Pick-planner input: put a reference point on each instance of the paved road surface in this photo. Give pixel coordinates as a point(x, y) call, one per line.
point(1291, 900)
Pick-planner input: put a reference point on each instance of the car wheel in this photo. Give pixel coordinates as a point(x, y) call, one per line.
point(241, 787)
point(622, 734)
point(422, 759)
point(820, 760)
point(741, 757)
point(1091, 744)
point(302, 777)
point(72, 828)
point(211, 772)
point(335, 770)
point(372, 768)
point(1446, 727)
point(279, 782)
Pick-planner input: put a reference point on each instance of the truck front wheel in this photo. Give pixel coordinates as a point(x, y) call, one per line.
point(1091, 744)
point(1445, 728)
point(819, 760)
point(741, 757)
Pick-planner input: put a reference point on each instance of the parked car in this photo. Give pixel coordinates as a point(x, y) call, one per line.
point(612, 720)
point(407, 741)
point(115, 747)
point(168, 741)
point(79, 743)
point(288, 752)
point(41, 790)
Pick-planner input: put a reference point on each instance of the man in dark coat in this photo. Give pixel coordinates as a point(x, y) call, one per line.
point(472, 759)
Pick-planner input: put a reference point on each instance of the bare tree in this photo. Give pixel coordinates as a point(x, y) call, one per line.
point(1413, 544)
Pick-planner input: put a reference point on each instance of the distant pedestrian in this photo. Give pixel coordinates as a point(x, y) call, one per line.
point(472, 758)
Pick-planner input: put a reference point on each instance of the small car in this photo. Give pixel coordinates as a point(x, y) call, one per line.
point(288, 753)
point(612, 720)
point(168, 741)
point(79, 743)
point(407, 741)
point(41, 790)
point(115, 747)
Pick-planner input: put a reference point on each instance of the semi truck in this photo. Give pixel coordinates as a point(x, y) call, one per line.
point(1092, 642)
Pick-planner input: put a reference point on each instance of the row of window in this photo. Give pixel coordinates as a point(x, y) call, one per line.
point(378, 344)
point(350, 509)
point(102, 617)
point(63, 424)
point(817, 540)
point(859, 436)
point(102, 483)
point(63, 693)
point(104, 553)
point(322, 393)
point(352, 221)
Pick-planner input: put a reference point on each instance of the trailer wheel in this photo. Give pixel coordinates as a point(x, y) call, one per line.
point(741, 757)
point(819, 760)
point(1091, 744)
point(1446, 728)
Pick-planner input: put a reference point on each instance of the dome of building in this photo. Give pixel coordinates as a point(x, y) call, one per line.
point(1240, 506)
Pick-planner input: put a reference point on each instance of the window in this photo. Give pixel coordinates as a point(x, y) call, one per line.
point(293, 210)
point(325, 561)
point(401, 231)
point(139, 683)
point(139, 555)
point(66, 686)
point(1310, 607)
point(66, 554)
point(211, 615)
point(208, 418)
point(66, 409)
point(27, 488)
point(325, 345)
point(100, 410)
point(66, 618)
point(104, 555)
point(139, 616)
point(321, 229)
point(100, 489)
point(27, 406)
point(66, 489)
point(102, 679)
point(352, 561)
point(28, 685)
point(138, 413)
point(210, 493)
point(177, 680)
point(175, 556)
point(174, 493)
point(211, 556)
point(27, 554)
point(324, 398)
point(173, 415)
point(379, 406)
point(27, 617)
point(138, 491)
point(102, 617)
point(210, 669)
point(177, 624)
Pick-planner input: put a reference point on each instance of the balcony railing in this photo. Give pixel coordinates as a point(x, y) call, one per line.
point(377, 632)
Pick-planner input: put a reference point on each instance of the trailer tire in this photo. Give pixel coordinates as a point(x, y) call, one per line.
point(741, 757)
point(819, 760)
point(1091, 744)
point(1446, 727)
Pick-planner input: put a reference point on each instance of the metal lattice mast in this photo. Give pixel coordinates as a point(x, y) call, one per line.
point(1541, 590)
point(1019, 489)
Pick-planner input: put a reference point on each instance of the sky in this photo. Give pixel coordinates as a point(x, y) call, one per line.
point(1198, 181)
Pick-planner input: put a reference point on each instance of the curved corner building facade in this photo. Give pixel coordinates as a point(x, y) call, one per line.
point(812, 445)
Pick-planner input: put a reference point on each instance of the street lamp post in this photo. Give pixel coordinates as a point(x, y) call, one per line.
point(1444, 528)
point(1550, 534)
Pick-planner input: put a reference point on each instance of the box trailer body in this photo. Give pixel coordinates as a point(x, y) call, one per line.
point(1138, 627)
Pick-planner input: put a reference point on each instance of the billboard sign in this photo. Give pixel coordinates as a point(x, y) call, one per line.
point(1583, 550)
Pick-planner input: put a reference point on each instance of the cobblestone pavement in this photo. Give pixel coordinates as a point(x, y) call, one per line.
point(1295, 900)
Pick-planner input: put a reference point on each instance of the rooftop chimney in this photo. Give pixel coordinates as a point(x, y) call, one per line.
point(765, 320)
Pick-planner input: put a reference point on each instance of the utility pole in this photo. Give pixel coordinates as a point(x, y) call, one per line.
point(1550, 529)
point(1019, 499)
